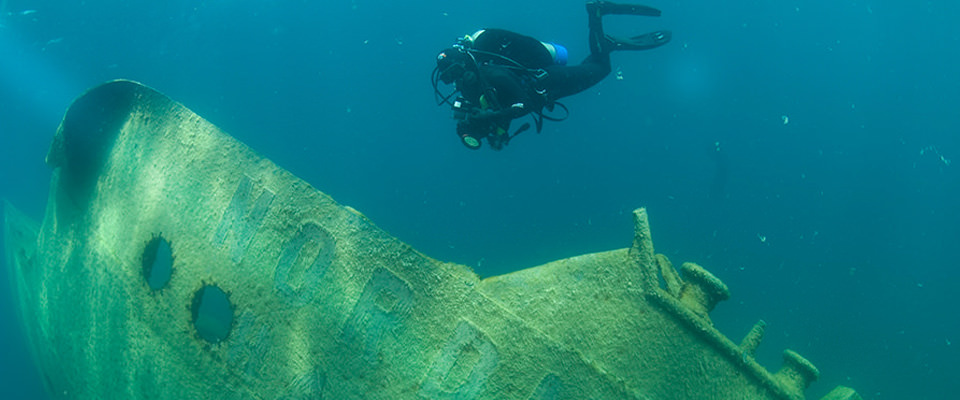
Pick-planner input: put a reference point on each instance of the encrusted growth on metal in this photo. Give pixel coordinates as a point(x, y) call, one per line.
point(317, 302)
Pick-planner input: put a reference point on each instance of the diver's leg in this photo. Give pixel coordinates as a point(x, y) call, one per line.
point(563, 81)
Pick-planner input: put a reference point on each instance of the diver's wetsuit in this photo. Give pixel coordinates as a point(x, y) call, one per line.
point(508, 75)
point(510, 92)
point(513, 86)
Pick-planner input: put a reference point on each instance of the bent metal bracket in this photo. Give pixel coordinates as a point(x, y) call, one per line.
point(275, 291)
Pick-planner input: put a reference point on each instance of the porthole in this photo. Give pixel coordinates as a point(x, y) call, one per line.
point(212, 314)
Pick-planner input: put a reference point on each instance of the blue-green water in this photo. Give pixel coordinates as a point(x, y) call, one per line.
point(799, 150)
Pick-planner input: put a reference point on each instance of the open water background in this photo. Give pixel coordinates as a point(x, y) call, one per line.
point(838, 228)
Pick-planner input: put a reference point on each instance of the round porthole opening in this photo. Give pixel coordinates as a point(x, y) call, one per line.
point(212, 314)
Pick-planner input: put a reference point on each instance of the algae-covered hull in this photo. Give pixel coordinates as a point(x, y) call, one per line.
point(175, 263)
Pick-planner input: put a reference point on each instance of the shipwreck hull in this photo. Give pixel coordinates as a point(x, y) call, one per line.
point(315, 301)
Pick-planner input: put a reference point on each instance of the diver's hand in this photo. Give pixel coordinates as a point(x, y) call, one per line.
point(516, 110)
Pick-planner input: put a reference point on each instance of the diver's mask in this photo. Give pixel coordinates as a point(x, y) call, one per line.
point(451, 64)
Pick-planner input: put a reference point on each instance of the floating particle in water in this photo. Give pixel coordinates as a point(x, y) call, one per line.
point(936, 153)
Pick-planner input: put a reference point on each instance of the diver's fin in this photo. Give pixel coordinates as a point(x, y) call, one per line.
point(601, 8)
point(642, 42)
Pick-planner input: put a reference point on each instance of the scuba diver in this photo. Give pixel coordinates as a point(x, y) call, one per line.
point(501, 75)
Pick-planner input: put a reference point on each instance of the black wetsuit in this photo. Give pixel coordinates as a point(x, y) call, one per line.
point(521, 86)
point(511, 91)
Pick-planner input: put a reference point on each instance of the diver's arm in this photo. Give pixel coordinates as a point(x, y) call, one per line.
point(516, 110)
point(511, 97)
